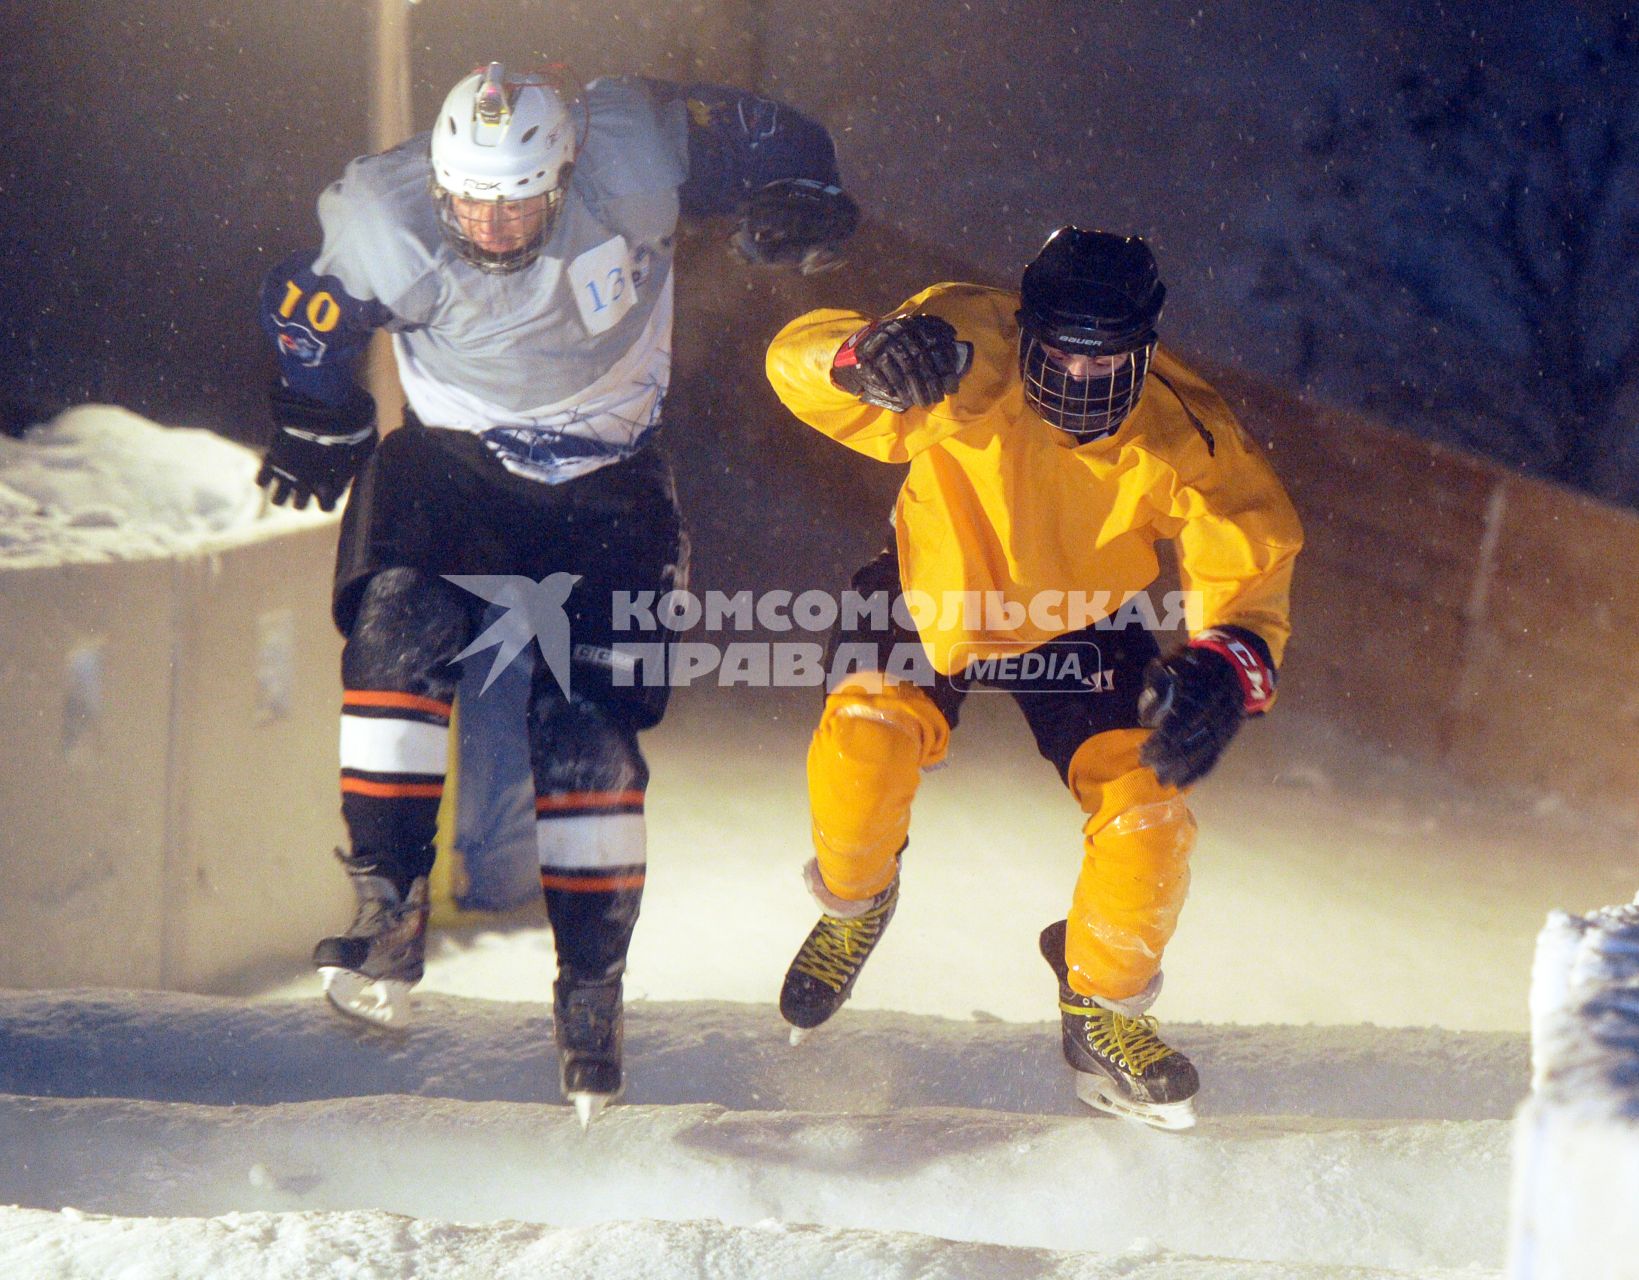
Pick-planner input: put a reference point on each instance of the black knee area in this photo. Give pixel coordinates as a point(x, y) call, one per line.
point(409, 627)
point(581, 746)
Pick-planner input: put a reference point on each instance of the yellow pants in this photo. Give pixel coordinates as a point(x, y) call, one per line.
point(865, 761)
point(1136, 844)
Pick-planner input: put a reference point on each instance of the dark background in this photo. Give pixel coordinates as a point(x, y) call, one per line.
point(158, 158)
point(1334, 189)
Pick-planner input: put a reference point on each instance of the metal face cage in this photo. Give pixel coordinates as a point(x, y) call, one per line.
point(1088, 408)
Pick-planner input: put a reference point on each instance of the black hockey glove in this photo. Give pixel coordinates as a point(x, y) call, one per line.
point(1196, 699)
point(796, 222)
point(905, 361)
point(317, 448)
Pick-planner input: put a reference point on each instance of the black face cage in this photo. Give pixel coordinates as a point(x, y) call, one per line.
point(485, 260)
point(1087, 408)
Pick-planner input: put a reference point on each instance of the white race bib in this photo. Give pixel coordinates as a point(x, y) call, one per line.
point(602, 280)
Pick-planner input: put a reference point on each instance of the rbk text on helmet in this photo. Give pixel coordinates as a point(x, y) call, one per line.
point(502, 153)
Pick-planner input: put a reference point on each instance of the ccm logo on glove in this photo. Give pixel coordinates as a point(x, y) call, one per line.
point(1196, 699)
point(1257, 677)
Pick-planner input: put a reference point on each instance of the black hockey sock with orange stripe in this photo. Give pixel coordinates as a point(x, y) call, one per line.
point(399, 680)
point(592, 851)
point(394, 754)
point(593, 929)
point(590, 779)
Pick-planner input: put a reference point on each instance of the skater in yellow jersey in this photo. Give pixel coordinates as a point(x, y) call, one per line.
point(1052, 443)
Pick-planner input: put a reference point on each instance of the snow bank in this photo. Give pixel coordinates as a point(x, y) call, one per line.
point(72, 1245)
point(911, 1145)
point(170, 679)
point(1576, 1180)
point(1294, 1191)
point(100, 483)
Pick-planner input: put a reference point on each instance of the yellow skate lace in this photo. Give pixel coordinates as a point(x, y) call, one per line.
point(1133, 1041)
point(837, 947)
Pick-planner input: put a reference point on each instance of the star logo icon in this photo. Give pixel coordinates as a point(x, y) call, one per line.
point(535, 614)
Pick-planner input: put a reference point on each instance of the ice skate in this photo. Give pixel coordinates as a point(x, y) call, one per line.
point(826, 966)
point(369, 970)
point(587, 1020)
point(1121, 1063)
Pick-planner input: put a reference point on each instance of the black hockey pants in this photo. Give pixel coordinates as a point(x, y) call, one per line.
point(432, 503)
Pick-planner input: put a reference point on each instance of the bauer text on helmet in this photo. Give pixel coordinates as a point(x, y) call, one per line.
point(1089, 305)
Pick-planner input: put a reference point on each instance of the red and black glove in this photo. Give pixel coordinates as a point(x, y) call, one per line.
point(317, 448)
point(1196, 699)
point(908, 360)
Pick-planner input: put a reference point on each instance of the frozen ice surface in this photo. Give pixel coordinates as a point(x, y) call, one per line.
point(1351, 975)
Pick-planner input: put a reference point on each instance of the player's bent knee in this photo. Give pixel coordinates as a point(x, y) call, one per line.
point(408, 626)
point(580, 746)
point(867, 698)
point(864, 765)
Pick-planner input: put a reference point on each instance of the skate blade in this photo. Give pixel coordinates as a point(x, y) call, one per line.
point(381, 1002)
point(1099, 1094)
point(799, 1034)
point(589, 1106)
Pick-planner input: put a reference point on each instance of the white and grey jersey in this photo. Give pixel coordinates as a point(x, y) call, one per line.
point(563, 365)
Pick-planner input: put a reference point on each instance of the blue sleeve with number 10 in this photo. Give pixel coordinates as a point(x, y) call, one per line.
point(318, 329)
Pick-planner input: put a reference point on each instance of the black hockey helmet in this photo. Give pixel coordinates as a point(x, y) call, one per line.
point(1088, 293)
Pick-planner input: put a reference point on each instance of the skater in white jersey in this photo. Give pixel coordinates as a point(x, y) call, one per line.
point(520, 254)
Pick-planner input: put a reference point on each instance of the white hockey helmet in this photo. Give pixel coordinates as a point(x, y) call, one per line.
point(508, 140)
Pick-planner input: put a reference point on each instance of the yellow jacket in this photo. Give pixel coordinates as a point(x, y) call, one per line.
point(999, 503)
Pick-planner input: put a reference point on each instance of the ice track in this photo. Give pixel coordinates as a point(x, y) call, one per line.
point(886, 1145)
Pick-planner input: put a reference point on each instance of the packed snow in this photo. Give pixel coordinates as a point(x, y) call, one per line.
point(101, 483)
point(1350, 975)
point(928, 1143)
point(1344, 908)
point(1576, 1153)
